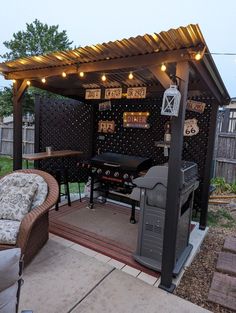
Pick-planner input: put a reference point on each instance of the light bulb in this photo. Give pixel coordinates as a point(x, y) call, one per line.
point(131, 76)
point(63, 74)
point(198, 56)
point(81, 74)
point(43, 80)
point(14, 81)
point(104, 78)
point(28, 82)
point(163, 67)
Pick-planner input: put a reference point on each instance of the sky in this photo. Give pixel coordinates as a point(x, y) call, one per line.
point(92, 22)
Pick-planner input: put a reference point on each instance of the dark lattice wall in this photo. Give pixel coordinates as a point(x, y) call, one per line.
point(64, 125)
point(141, 142)
point(69, 124)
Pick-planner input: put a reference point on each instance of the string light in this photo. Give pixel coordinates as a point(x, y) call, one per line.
point(43, 80)
point(81, 74)
point(163, 67)
point(28, 82)
point(63, 74)
point(14, 81)
point(131, 76)
point(198, 56)
point(104, 78)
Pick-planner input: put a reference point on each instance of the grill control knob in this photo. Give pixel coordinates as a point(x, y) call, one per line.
point(126, 176)
point(116, 174)
point(107, 172)
point(94, 169)
point(99, 171)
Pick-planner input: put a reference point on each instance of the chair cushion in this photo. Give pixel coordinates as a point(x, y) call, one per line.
point(9, 267)
point(8, 299)
point(8, 231)
point(16, 198)
point(21, 178)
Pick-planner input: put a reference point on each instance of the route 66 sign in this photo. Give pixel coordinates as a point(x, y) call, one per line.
point(190, 127)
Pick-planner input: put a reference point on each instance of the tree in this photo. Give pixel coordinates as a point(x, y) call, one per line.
point(38, 39)
point(6, 107)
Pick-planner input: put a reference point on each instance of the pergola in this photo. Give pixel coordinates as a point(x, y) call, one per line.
point(186, 57)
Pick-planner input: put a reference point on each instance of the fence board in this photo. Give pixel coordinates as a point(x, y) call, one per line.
point(6, 139)
point(225, 150)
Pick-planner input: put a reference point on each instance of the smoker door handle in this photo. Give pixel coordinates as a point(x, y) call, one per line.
point(112, 165)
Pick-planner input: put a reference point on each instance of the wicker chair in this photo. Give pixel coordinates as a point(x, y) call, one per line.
point(33, 233)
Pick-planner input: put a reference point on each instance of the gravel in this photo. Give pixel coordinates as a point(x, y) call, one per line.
point(195, 284)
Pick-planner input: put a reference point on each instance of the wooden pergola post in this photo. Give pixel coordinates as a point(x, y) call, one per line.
point(173, 188)
point(18, 91)
point(208, 166)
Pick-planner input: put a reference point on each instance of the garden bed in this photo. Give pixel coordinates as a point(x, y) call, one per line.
point(195, 284)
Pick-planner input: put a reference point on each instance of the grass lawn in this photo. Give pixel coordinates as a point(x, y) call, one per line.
point(6, 166)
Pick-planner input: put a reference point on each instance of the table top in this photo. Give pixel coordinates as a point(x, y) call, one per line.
point(52, 154)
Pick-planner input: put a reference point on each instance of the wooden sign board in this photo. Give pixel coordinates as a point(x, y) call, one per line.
point(196, 106)
point(191, 127)
point(93, 94)
point(135, 119)
point(113, 93)
point(106, 127)
point(136, 93)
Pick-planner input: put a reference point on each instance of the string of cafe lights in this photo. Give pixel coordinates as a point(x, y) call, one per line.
point(131, 74)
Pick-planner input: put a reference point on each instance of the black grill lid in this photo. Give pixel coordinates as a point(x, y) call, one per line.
point(123, 161)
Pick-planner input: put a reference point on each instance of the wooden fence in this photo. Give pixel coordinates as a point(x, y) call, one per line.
point(6, 139)
point(225, 147)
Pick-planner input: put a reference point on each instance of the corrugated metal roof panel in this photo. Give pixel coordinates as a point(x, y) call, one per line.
point(182, 37)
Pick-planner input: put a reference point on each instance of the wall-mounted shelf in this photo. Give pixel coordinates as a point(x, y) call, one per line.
point(162, 144)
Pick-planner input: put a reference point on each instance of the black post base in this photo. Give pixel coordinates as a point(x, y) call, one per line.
point(170, 289)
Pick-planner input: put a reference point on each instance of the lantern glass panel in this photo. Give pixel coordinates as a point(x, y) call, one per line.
point(171, 101)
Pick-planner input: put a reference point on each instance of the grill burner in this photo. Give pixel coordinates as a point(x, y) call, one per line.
point(115, 173)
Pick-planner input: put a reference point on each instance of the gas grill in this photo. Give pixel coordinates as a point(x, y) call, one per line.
point(152, 188)
point(115, 173)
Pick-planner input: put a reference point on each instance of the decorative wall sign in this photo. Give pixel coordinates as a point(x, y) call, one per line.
point(113, 93)
point(104, 106)
point(136, 119)
point(190, 127)
point(196, 106)
point(93, 94)
point(106, 126)
point(136, 93)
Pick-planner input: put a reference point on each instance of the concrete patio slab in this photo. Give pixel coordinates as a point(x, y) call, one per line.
point(57, 283)
point(121, 293)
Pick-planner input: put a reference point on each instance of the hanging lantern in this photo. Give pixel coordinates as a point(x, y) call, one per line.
point(171, 101)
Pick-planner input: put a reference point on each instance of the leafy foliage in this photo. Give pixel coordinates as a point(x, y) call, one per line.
point(38, 39)
point(222, 186)
point(6, 104)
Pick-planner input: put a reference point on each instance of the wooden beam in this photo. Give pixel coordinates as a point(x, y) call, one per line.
point(21, 90)
point(4, 68)
point(208, 81)
point(106, 65)
point(17, 126)
point(161, 76)
point(173, 186)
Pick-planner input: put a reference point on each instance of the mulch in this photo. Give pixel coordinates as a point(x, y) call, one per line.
point(196, 282)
